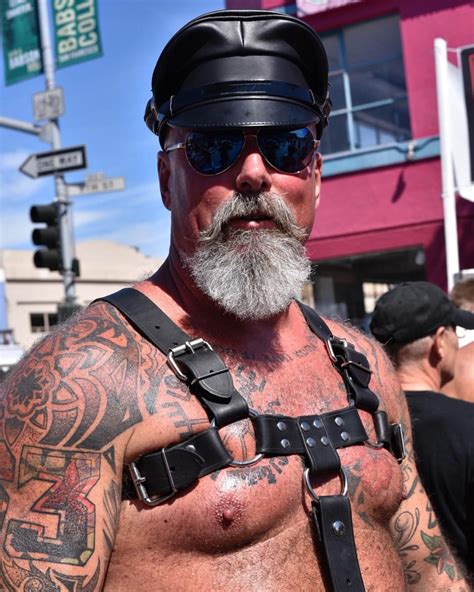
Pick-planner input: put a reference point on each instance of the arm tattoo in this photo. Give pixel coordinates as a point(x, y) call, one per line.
point(406, 526)
point(70, 476)
point(112, 499)
point(79, 386)
point(32, 579)
point(439, 555)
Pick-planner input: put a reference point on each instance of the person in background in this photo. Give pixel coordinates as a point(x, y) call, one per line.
point(416, 323)
point(462, 384)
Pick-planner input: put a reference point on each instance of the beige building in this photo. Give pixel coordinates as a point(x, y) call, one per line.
point(31, 295)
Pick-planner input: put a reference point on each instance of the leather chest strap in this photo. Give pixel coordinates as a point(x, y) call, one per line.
point(335, 538)
point(192, 360)
point(351, 364)
point(316, 436)
point(158, 476)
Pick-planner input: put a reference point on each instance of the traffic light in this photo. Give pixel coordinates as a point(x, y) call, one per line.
point(49, 236)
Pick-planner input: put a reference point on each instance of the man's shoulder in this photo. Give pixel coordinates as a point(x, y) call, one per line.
point(89, 339)
point(438, 407)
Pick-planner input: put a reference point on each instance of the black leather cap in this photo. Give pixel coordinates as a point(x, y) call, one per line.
point(234, 68)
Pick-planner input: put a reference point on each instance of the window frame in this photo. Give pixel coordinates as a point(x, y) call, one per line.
point(349, 110)
point(48, 321)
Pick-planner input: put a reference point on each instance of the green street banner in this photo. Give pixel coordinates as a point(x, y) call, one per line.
point(21, 40)
point(76, 31)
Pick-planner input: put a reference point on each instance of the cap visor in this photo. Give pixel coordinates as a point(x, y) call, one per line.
point(248, 112)
point(464, 318)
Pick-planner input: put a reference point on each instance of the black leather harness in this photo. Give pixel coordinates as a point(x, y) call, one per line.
point(158, 476)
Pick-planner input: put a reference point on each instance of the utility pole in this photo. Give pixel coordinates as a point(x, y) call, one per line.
point(58, 234)
point(64, 211)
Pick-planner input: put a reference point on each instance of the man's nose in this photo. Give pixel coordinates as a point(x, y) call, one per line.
point(253, 174)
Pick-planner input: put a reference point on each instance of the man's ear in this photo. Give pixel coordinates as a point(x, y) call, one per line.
point(439, 342)
point(164, 178)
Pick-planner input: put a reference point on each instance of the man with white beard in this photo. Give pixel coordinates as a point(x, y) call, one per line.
point(202, 430)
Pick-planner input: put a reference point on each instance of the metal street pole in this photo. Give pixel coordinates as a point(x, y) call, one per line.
point(65, 217)
point(447, 170)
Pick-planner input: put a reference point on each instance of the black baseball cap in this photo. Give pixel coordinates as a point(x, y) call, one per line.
point(413, 310)
point(239, 68)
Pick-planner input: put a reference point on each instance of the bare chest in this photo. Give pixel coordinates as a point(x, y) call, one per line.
point(237, 506)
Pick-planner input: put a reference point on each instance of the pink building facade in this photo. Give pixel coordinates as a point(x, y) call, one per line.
point(381, 216)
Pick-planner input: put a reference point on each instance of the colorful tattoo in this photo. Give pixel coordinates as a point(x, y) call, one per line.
point(73, 475)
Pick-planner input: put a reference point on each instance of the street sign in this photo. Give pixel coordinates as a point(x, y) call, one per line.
point(59, 161)
point(76, 32)
point(21, 40)
point(97, 183)
point(48, 104)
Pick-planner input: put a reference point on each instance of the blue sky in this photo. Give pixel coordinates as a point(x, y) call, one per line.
point(105, 100)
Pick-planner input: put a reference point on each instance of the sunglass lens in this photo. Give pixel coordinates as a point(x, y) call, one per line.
point(289, 151)
point(211, 153)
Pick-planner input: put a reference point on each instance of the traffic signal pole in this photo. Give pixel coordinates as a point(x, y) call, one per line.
point(61, 199)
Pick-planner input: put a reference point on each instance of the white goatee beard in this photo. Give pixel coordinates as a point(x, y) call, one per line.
point(252, 274)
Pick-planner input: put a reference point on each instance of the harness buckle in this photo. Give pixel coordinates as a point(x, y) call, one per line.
point(398, 442)
point(328, 344)
point(142, 493)
point(188, 346)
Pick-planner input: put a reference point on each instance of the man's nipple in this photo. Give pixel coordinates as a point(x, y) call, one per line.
point(229, 512)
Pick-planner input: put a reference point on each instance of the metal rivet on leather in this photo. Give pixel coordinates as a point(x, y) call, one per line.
point(339, 421)
point(318, 423)
point(281, 425)
point(324, 440)
point(305, 426)
point(310, 442)
point(338, 528)
point(285, 443)
point(191, 447)
point(345, 436)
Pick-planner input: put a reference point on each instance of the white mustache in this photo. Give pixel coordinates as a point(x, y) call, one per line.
point(240, 205)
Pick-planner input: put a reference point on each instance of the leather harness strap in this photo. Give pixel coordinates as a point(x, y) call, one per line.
point(158, 476)
point(209, 378)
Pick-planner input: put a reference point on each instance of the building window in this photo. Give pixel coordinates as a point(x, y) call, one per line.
point(42, 322)
point(368, 88)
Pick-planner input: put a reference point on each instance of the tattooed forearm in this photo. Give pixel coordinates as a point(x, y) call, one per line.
point(406, 527)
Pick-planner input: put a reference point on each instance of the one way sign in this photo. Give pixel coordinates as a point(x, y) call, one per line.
point(59, 161)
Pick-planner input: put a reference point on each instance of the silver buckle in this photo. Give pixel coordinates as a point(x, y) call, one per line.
point(328, 344)
point(188, 346)
point(357, 365)
point(138, 482)
point(402, 442)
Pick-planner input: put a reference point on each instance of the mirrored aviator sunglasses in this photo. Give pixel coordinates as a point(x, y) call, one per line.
point(214, 152)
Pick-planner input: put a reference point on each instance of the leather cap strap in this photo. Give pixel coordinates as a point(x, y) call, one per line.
point(335, 539)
